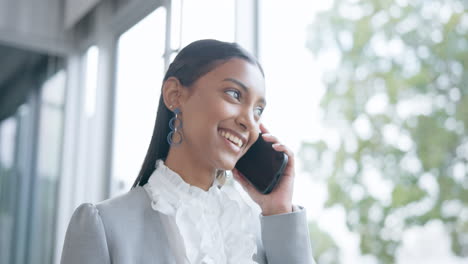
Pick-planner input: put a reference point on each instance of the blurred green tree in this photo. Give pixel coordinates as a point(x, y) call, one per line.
point(396, 77)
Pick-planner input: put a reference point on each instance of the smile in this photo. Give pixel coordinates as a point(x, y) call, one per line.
point(232, 138)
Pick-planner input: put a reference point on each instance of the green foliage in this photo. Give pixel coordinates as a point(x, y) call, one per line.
point(324, 247)
point(400, 95)
point(406, 194)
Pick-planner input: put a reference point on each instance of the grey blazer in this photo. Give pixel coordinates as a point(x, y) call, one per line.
point(126, 230)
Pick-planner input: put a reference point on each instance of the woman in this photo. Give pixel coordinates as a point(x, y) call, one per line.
point(178, 210)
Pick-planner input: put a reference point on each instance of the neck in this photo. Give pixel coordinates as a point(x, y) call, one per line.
point(191, 169)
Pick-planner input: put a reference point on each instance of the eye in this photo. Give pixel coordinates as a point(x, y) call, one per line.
point(234, 93)
point(259, 110)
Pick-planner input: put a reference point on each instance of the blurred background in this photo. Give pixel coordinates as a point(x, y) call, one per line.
point(372, 96)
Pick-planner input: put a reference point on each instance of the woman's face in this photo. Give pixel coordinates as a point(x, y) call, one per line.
point(227, 102)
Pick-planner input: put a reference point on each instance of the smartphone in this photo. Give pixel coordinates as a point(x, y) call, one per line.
point(262, 165)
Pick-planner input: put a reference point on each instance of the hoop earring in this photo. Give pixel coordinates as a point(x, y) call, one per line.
point(175, 124)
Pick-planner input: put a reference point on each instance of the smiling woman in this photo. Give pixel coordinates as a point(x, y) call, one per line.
point(179, 210)
point(214, 103)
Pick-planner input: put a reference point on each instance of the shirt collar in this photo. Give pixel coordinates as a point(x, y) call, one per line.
point(167, 178)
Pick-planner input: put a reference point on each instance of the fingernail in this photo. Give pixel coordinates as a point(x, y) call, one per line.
point(266, 135)
point(276, 145)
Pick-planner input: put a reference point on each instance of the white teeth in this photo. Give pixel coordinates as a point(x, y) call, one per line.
point(232, 138)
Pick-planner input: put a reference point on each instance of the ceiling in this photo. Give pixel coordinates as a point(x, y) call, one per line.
point(14, 61)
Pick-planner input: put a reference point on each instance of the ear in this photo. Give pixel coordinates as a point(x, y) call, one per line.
point(173, 93)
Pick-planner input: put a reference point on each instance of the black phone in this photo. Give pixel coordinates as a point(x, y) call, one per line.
point(262, 165)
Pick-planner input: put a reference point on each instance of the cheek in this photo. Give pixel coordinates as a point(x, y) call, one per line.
point(254, 138)
point(226, 109)
point(203, 114)
point(218, 109)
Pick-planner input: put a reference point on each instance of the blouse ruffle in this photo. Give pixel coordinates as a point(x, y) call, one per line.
point(215, 227)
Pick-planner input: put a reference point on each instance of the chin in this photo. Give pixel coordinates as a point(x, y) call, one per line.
point(227, 163)
point(229, 166)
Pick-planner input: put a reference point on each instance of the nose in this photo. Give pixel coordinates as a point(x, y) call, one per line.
point(247, 121)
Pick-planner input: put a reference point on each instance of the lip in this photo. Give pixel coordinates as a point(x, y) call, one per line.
point(232, 132)
point(233, 147)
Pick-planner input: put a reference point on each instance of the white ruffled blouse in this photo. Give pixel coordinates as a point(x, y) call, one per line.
point(204, 227)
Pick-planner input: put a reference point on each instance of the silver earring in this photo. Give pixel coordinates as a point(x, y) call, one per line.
point(175, 124)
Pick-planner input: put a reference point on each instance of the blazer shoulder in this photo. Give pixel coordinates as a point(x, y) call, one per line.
point(85, 239)
point(86, 211)
point(126, 210)
point(123, 227)
point(134, 200)
point(86, 215)
point(124, 204)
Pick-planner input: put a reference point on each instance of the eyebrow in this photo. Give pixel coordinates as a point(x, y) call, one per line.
point(244, 87)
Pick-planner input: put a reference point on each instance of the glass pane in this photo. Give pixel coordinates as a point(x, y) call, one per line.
point(7, 142)
point(372, 96)
point(8, 130)
point(293, 90)
point(140, 69)
point(176, 20)
point(91, 77)
point(293, 93)
point(48, 169)
point(208, 19)
point(53, 91)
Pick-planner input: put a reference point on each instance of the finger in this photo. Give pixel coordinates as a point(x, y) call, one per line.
point(282, 148)
point(263, 129)
point(270, 138)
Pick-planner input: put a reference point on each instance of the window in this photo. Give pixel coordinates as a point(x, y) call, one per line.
point(140, 69)
point(49, 154)
point(293, 85)
point(8, 130)
point(208, 19)
point(91, 77)
point(377, 120)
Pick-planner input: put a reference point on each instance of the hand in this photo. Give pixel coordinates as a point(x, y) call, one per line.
point(280, 199)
